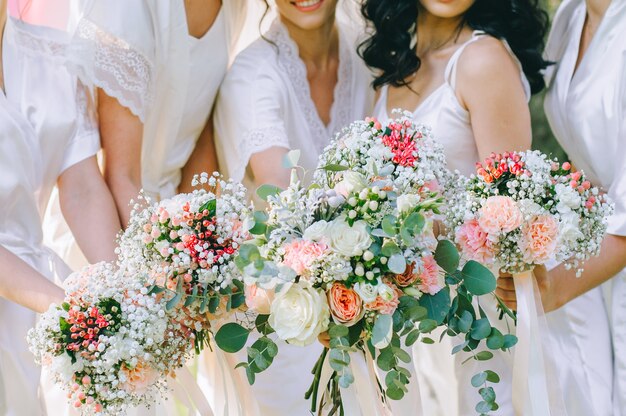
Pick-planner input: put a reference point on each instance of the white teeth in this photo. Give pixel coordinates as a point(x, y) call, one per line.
point(308, 3)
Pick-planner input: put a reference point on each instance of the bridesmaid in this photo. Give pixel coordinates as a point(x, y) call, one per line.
point(586, 108)
point(466, 68)
point(293, 89)
point(46, 137)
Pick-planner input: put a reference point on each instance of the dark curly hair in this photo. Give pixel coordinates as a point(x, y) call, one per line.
point(522, 23)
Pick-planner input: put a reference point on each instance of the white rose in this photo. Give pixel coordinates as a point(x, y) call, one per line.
point(317, 231)
point(568, 229)
point(349, 241)
point(367, 291)
point(407, 202)
point(528, 207)
point(351, 182)
point(568, 198)
point(300, 314)
point(386, 292)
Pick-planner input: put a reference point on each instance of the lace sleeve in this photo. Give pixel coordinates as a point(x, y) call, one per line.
point(109, 62)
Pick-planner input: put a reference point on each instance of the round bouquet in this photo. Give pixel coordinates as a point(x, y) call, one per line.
point(110, 345)
point(186, 245)
point(355, 255)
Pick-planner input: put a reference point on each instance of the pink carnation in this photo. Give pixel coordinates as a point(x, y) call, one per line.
point(429, 276)
point(301, 254)
point(386, 307)
point(499, 214)
point(539, 239)
point(474, 242)
point(139, 378)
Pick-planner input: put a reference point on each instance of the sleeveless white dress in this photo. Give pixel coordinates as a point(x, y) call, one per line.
point(265, 102)
point(445, 383)
point(587, 112)
point(44, 129)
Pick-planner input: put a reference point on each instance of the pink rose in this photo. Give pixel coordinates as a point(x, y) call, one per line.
point(429, 276)
point(257, 299)
point(386, 307)
point(499, 214)
point(139, 378)
point(301, 254)
point(474, 242)
point(345, 304)
point(539, 239)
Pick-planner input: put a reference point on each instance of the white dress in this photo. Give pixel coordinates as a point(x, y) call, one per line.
point(265, 102)
point(148, 61)
point(43, 131)
point(587, 112)
point(445, 383)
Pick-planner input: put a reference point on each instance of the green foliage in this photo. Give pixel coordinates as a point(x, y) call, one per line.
point(231, 337)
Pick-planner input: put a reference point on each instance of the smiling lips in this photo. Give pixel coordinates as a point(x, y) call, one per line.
point(307, 5)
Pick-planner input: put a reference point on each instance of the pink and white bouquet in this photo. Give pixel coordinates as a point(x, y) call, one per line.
point(355, 255)
point(522, 209)
point(110, 345)
point(186, 246)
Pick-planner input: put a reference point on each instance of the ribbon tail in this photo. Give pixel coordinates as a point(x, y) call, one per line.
point(187, 391)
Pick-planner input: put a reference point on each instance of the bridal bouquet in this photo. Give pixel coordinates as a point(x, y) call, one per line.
point(522, 209)
point(186, 245)
point(355, 255)
point(110, 345)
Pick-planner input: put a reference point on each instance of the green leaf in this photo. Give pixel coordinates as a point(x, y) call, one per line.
point(338, 359)
point(231, 337)
point(427, 325)
point(334, 168)
point(479, 379)
point(345, 379)
point(262, 325)
point(509, 341)
point(249, 252)
point(171, 304)
point(265, 191)
point(397, 264)
point(382, 331)
point(390, 248)
point(488, 394)
point(290, 160)
point(483, 407)
point(214, 303)
point(338, 331)
point(412, 337)
point(447, 256)
point(465, 321)
point(401, 354)
point(258, 228)
point(437, 305)
point(459, 347)
point(389, 225)
point(386, 359)
point(481, 329)
point(478, 279)
point(495, 340)
point(483, 356)
point(210, 205)
point(427, 340)
point(492, 377)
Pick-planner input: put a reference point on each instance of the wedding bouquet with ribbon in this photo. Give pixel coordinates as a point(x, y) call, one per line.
point(520, 210)
point(110, 345)
point(184, 247)
point(354, 255)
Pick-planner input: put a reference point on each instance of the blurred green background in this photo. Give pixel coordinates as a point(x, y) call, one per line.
point(542, 135)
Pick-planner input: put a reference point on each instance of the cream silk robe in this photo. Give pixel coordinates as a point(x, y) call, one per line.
point(587, 112)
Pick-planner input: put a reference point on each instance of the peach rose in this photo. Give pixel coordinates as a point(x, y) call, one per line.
point(499, 214)
point(407, 278)
point(300, 255)
point(259, 300)
point(539, 239)
point(138, 378)
point(474, 242)
point(429, 276)
point(386, 306)
point(345, 304)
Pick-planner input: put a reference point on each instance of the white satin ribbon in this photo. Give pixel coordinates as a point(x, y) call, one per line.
point(535, 385)
point(187, 392)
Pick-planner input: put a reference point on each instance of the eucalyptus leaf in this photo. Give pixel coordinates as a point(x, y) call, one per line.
point(447, 256)
point(265, 191)
point(382, 331)
point(397, 264)
point(290, 160)
point(478, 279)
point(231, 337)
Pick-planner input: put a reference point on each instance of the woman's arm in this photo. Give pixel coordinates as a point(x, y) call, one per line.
point(203, 158)
point(121, 133)
point(23, 285)
point(89, 210)
point(489, 86)
point(267, 167)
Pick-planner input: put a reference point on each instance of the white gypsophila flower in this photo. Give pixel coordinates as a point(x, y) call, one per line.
point(299, 314)
point(349, 240)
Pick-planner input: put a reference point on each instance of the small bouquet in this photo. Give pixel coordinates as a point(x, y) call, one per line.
point(186, 245)
point(110, 345)
point(518, 211)
point(522, 209)
point(355, 255)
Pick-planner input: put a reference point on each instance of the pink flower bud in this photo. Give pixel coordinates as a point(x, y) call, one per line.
point(567, 166)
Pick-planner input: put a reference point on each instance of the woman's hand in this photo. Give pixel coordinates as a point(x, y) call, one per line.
point(550, 296)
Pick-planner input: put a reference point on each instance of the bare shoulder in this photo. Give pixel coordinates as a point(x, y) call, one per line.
point(485, 59)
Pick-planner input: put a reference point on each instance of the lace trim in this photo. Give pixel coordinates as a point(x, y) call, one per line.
point(255, 141)
point(115, 66)
point(34, 44)
point(289, 60)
